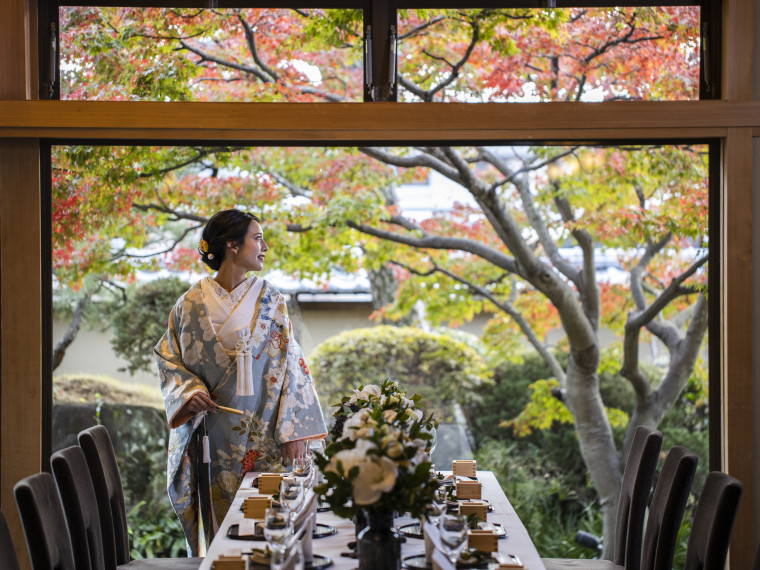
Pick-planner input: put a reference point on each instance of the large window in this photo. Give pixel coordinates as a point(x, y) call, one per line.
point(345, 54)
point(614, 227)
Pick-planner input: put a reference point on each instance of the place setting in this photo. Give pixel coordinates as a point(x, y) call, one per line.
point(375, 497)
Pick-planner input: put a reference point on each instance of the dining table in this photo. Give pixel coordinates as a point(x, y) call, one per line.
point(332, 533)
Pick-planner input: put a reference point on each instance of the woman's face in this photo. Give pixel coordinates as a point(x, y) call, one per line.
point(251, 253)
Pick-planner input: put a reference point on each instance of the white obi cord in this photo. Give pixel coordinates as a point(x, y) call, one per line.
point(231, 315)
point(243, 352)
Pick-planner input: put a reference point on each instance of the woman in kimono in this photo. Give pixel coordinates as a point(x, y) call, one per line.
point(230, 343)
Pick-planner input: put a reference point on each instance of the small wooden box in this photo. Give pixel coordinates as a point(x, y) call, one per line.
point(255, 507)
point(469, 489)
point(269, 483)
point(478, 509)
point(464, 467)
point(229, 563)
point(483, 540)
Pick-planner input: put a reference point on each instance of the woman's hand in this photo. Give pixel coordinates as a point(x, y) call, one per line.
point(198, 402)
point(293, 450)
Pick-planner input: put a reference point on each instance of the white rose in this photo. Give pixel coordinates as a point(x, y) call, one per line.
point(356, 422)
point(394, 450)
point(370, 390)
point(349, 458)
point(375, 478)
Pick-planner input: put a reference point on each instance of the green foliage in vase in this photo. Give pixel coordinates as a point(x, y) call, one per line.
point(140, 322)
point(437, 367)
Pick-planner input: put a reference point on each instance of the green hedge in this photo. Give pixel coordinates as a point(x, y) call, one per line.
point(436, 366)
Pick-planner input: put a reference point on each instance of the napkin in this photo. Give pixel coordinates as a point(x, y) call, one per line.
point(305, 521)
point(507, 560)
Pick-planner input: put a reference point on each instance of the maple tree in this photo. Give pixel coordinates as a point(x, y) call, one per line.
point(499, 251)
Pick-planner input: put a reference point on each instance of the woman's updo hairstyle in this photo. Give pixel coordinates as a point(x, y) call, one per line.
point(223, 227)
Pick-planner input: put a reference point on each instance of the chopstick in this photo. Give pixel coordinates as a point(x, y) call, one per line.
point(230, 410)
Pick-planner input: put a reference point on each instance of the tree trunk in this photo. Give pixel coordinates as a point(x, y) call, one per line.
point(595, 437)
point(59, 351)
point(300, 331)
point(383, 286)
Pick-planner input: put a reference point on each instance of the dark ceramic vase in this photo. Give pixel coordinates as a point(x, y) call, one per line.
point(379, 544)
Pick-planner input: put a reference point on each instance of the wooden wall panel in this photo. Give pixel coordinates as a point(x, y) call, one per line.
point(738, 67)
point(394, 122)
point(20, 323)
point(736, 344)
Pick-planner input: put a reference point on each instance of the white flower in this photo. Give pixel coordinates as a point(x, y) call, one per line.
point(350, 457)
point(394, 450)
point(420, 457)
point(366, 392)
point(376, 476)
point(413, 414)
point(390, 415)
point(356, 425)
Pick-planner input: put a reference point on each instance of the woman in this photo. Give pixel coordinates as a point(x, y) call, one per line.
point(229, 343)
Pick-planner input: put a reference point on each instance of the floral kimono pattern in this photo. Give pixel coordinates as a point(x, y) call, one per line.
point(284, 406)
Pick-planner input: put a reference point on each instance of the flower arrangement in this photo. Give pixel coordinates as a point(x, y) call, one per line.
point(378, 458)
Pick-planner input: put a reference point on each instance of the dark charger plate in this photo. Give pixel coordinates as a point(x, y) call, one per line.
point(418, 562)
point(413, 530)
point(318, 563)
point(320, 531)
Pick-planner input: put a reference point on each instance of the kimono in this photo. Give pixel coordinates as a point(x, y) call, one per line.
point(249, 362)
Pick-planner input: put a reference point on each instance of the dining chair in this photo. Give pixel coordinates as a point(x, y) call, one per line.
point(47, 536)
point(80, 507)
point(8, 558)
point(632, 505)
point(713, 522)
point(101, 462)
point(671, 492)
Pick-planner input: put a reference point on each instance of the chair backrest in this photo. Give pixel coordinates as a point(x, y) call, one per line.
point(8, 558)
point(713, 522)
point(44, 524)
point(101, 461)
point(667, 508)
point(80, 507)
point(634, 496)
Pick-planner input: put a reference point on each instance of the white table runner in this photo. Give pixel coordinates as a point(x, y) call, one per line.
point(518, 541)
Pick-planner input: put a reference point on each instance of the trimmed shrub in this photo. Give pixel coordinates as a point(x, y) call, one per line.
point(442, 370)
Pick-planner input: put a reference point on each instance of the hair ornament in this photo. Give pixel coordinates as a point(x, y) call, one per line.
point(203, 246)
point(210, 256)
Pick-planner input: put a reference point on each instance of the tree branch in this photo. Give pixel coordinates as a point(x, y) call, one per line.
point(415, 31)
point(507, 308)
point(294, 189)
point(224, 63)
point(587, 286)
point(250, 39)
point(176, 242)
point(494, 256)
point(418, 160)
